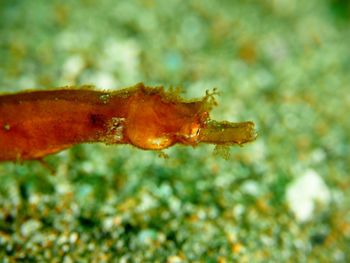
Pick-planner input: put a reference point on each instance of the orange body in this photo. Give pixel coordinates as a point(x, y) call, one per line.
point(35, 124)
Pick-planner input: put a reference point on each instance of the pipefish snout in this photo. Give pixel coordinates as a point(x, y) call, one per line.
point(38, 123)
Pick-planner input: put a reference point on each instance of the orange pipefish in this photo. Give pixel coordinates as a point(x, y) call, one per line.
point(37, 123)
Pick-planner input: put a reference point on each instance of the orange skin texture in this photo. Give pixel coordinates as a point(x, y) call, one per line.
point(38, 123)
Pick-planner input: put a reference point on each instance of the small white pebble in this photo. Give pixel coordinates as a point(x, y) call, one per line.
point(238, 210)
point(104, 81)
point(147, 236)
point(73, 237)
point(251, 187)
point(91, 246)
point(147, 202)
point(34, 199)
point(108, 223)
point(304, 191)
point(165, 190)
point(29, 227)
point(174, 259)
point(72, 67)
point(67, 259)
point(63, 188)
point(62, 239)
point(318, 155)
point(175, 204)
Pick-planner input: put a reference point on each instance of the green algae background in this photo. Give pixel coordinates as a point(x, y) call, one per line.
point(283, 64)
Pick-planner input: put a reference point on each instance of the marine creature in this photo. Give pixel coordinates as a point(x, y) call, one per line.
point(34, 124)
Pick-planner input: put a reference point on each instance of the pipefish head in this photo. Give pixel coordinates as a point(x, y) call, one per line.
point(156, 121)
point(196, 118)
point(190, 130)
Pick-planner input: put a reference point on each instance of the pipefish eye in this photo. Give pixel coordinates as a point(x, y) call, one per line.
point(195, 131)
point(190, 134)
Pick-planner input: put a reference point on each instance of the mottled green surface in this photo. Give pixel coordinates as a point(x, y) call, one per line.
point(284, 64)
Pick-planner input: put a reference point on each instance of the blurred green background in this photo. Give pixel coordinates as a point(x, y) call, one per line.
point(284, 64)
